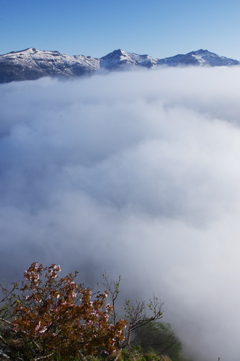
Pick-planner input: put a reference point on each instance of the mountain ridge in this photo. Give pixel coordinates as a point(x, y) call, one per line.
point(31, 64)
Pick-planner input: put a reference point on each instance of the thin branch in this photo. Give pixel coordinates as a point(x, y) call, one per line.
point(5, 343)
point(43, 357)
point(7, 322)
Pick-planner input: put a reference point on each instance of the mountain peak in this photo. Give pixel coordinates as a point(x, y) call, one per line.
point(116, 54)
point(28, 50)
point(198, 58)
point(201, 51)
point(116, 59)
point(30, 63)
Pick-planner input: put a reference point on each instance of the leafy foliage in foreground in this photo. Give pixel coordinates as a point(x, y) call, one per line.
point(47, 317)
point(51, 317)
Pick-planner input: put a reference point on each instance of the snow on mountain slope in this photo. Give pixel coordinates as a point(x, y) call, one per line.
point(37, 58)
point(119, 58)
point(200, 57)
point(31, 63)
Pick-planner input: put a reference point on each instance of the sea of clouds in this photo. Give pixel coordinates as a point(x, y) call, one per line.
point(135, 173)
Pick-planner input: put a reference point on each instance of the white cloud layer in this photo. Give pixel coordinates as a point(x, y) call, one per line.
point(136, 173)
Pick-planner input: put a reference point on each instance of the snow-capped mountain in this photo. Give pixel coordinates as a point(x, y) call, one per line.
point(200, 57)
point(32, 64)
point(120, 59)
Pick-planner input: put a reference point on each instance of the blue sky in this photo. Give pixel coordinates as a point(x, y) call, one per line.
point(160, 28)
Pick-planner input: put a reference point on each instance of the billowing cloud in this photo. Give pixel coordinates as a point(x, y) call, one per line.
point(135, 173)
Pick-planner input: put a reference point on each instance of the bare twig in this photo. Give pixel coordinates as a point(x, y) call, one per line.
point(43, 357)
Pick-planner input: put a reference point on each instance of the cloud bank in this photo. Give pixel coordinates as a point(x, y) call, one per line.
point(137, 174)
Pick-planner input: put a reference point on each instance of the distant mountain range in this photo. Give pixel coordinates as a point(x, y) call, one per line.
point(31, 64)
